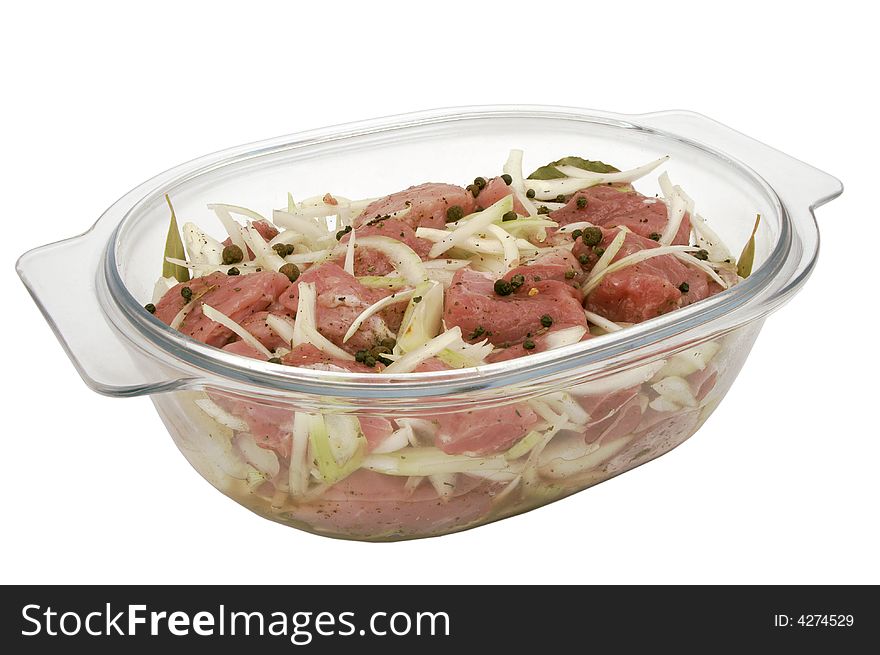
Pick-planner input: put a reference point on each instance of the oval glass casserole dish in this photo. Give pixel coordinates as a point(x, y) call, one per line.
point(594, 409)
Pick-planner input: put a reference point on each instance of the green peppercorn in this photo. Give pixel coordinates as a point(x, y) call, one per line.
point(291, 271)
point(592, 236)
point(684, 287)
point(480, 182)
point(343, 232)
point(187, 293)
point(473, 189)
point(503, 288)
point(576, 233)
point(546, 320)
point(360, 355)
point(233, 271)
point(530, 193)
point(283, 249)
point(560, 198)
point(417, 300)
point(654, 236)
point(509, 216)
point(569, 274)
point(702, 255)
point(477, 333)
point(370, 361)
point(388, 342)
point(150, 307)
point(528, 344)
point(599, 251)
point(507, 179)
point(581, 202)
point(543, 209)
point(517, 281)
point(454, 213)
point(274, 360)
point(584, 259)
point(232, 255)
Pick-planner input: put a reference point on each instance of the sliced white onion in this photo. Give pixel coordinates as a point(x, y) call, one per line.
point(565, 337)
point(709, 240)
point(262, 459)
point(578, 179)
point(400, 438)
point(474, 225)
point(513, 167)
point(402, 257)
point(602, 322)
point(508, 245)
point(676, 208)
point(301, 224)
point(348, 266)
point(201, 248)
point(178, 319)
point(609, 254)
point(375, 308)
point(703, 266)
point(220, 415)
point(677, 390)
point(631, 260)
point(412, 359)
point(298, 473)
point(225, 321)
point(232, 227)
point(571, 227)
point(617, 381)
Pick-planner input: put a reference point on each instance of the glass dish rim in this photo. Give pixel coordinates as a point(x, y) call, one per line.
point(189, 352)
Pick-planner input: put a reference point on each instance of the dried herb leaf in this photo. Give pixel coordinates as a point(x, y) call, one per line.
point(549, 171)
point(174, 249)
point(747, 257)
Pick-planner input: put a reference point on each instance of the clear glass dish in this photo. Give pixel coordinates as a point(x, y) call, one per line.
point(596, 401)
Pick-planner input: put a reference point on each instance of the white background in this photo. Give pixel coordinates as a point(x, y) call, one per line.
point(781, 485)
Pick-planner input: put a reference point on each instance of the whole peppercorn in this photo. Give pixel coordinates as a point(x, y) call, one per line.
point(576, 233)
point(232, 255)
point(654, 236)
point(507, 179)
point(503, 287)
point(599, 251)
point(343, 232)
point(592, 236)
point(233, 271)
point(454, 213)
point(583, 259)
point(274, 360)
point(543, 209)
point(291, 271)
point(480, 183)
point(581, 202)
point(150, 307)
point(702, 255)
point(517, 281)
point(528, 344)
point(530, 193)
point(684, 287)
point(187, 293)
point(509, 216)
point(546, 320)
point(283, 249)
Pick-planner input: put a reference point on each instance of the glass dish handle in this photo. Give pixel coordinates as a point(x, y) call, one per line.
point(799, 185)
point(62, 278)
